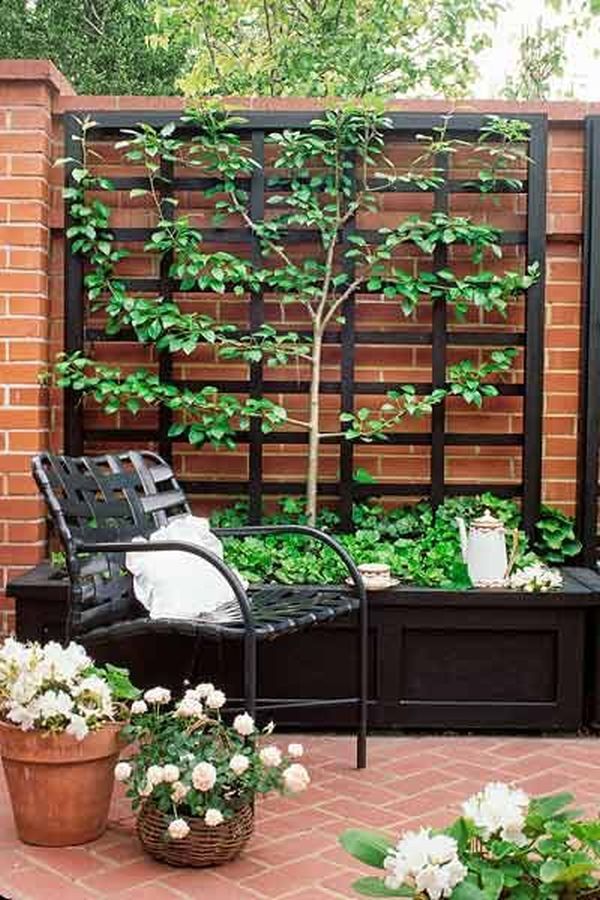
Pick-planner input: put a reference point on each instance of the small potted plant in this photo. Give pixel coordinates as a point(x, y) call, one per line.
point(505, 845)
point(194, 778)
point(59, 739)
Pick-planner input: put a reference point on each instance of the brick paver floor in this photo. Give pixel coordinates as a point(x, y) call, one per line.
point(294, 854)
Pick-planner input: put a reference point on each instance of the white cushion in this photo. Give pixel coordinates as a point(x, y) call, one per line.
point(172, 584)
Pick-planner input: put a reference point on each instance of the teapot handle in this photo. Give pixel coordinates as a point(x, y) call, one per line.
point(513, 552)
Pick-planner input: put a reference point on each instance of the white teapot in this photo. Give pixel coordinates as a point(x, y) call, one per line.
point(484, 550)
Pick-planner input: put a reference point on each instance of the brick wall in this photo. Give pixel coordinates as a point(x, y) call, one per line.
point(34, 96)
point(28, 92)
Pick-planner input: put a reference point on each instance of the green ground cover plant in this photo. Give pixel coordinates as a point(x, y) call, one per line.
point(422, 547)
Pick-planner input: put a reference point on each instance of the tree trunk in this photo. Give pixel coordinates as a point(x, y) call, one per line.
point(312, 478)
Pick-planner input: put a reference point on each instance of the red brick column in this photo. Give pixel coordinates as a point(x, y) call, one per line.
point(28, 90)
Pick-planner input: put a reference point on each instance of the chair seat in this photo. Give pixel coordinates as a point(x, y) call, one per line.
point(277, 610)
point(280, 609)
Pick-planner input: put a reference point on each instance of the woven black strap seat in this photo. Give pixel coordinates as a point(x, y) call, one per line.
point(100, 504)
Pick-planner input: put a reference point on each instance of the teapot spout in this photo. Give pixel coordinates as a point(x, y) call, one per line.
point(462, 530)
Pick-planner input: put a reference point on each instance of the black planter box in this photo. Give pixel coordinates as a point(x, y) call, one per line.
point(476, 660)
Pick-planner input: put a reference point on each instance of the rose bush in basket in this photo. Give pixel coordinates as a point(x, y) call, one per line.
point(60, 718)
point(506, 845)
point(194, 778)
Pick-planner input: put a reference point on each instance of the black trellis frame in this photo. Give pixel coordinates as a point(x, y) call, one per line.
point(589, 416)
point(107, 127)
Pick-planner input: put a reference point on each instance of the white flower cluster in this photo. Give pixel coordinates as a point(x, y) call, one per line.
point(426, 862)
point(499, 811)
point(199, 709)
point(50, 688)
point(536, 577)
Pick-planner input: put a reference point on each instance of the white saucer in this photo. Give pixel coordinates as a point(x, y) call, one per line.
point(393, 582)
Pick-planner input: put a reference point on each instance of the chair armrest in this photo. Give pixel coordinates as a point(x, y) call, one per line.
point(315, 533)
point(150, 546)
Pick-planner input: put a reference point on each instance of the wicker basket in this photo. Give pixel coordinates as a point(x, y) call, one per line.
point(204, 845)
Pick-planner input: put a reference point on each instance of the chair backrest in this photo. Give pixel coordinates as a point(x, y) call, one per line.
point(105, 498)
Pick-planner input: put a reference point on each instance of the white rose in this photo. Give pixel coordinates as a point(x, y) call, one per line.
point(155, 775)
point(295, 750)
point(123, 771)
point(192, 694)
point(158, 695)
point(213, 817)
point(179, 792)
point(244, 724)
point(216, 699)
point(239, 763)
point(178, 829)
point(170, 773)
point(498, 810)
point(204, 689)
point(270, 756)
point(296, 778)
point(139, 707)
point(146, 790)
point(428, 863)
point(204, 776)
point(189, 709)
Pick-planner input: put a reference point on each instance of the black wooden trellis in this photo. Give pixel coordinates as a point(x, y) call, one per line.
point(589, 418)
point(107, 127)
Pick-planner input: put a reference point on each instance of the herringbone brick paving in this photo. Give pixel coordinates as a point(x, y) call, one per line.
point(294, 854)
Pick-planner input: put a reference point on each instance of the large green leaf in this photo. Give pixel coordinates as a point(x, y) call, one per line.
point(492, 881)
point(468, 890)
point(374, 887)
point(370, 847)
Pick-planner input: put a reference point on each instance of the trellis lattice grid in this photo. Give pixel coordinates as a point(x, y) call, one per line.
point(349, 339)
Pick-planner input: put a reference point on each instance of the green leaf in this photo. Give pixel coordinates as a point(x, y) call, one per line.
point(461, 831)
point(468, 890)
point(374, 887)
point(492, 881)
point(552, 870)
point(547, 807)
point(370, 847)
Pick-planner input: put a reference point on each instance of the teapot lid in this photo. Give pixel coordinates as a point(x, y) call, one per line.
point(486, 522)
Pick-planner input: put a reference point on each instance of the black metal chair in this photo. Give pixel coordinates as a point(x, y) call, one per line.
point(99, 504)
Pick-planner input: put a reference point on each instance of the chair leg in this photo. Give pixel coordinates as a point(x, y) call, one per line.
point(363, 662)
point(250, 655)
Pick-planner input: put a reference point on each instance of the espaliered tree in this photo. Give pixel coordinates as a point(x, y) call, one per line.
point(329, 175)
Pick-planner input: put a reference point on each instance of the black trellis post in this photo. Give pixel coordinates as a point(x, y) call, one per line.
point(438, 352)
point(73, 296)
point(589, 418)
point(165, 360)
point(534, 326)
point(257, 317)
point(348, 312)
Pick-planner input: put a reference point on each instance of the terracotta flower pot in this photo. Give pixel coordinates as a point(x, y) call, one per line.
point(60, 788)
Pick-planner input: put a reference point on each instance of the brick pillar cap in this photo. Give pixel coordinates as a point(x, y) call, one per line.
point(35, 70)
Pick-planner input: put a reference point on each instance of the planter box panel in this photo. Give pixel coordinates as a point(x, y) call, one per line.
point(489, 668)
point(470, 665)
